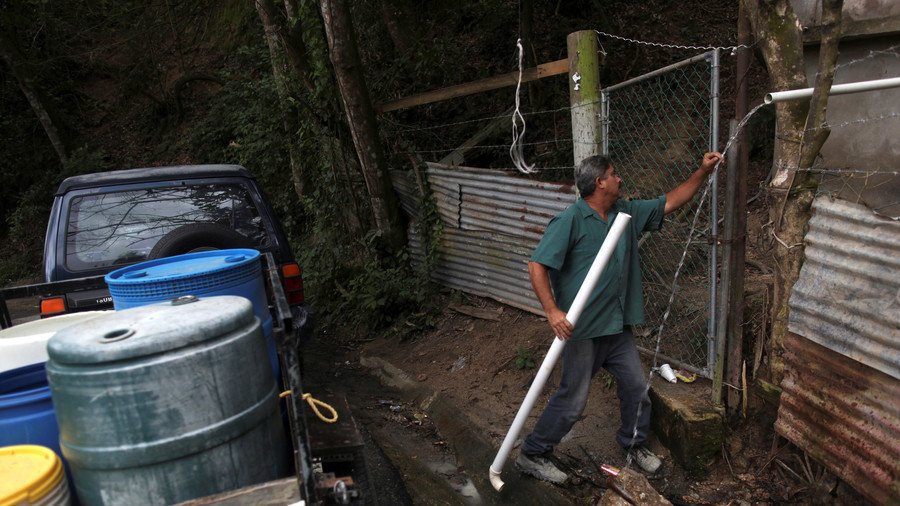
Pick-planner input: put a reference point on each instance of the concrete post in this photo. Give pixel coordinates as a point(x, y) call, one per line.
point(584, 94)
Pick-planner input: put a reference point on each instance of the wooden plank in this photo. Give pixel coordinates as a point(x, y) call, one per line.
point(458, 156)
point(341, 438)
point(477, 312)
point(273, 493)
point(491, 83)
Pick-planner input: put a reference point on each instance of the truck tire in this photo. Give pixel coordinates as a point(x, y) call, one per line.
point(198, 237)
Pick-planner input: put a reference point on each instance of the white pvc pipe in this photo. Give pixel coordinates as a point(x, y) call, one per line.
point(838, 89)
point(590, 282)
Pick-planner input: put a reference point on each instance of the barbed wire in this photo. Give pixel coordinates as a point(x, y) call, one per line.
point(872, 53)
point(407, 128)
point(484, 146)
point(848, 123)
point(732, 49)
point(844, 171)
point(858, 121)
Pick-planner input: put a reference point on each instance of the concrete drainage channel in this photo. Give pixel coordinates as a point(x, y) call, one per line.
point(474, 452)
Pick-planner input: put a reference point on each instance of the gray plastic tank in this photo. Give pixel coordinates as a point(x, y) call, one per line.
point(164, 403)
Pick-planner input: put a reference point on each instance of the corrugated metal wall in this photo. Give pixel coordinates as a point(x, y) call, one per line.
point(493, 220)
point(840, 398)
point(844, 414)
point(848, 296)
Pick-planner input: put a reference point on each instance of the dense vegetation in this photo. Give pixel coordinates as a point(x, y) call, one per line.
point(144, 83)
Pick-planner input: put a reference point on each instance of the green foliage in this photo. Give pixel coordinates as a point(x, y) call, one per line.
point(523, 358)
point(607, 380)
point(23, 248)
point(241, 126)
point(347, 277)
point(352, 283)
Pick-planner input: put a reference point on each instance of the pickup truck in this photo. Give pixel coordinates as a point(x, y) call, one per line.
point(101, 222)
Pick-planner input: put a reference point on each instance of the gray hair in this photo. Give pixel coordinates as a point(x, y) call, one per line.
point(588, 171)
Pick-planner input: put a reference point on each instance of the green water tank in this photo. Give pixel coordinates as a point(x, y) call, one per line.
point(164, 403)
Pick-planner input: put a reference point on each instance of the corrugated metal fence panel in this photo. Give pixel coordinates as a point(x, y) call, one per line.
point(404, 183)
point(492, 222)
point(482, 263)
point(845, 415)
point(846, 298)
point(496, 201)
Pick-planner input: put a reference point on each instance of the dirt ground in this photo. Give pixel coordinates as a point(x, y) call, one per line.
point(473, 361)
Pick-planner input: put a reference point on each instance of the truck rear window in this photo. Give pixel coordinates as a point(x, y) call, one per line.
point(122, 227)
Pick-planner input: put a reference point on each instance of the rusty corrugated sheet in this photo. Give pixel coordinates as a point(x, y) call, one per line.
point(840, 398)
point(844, 414)
point(846, 298)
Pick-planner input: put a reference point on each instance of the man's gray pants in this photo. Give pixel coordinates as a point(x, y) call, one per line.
point(580, 362)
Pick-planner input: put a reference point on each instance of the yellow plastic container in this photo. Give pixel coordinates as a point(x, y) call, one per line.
point(32, 475)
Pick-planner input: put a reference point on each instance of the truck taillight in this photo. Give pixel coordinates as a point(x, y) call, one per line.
point(53, 306)
point(292, 283)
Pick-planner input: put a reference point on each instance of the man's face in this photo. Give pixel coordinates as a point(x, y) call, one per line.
point(612, 184)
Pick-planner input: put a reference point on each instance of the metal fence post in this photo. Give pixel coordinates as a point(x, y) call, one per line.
point(604, 121)
point(728, 273)
point(714, 361)
point(734, 333)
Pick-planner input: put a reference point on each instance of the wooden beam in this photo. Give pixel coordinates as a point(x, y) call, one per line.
point(491, 83)
point(458, 156)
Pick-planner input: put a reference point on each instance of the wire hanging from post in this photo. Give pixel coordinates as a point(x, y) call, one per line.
point(516, 149)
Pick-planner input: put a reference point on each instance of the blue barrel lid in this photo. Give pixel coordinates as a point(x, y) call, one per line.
point(150, 330)
point(183, 266)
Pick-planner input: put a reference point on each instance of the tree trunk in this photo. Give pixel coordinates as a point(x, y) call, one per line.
point(10, 54)
point(398, 18)
point(800, 135)
point(269, 15)
point(294, 48)
point(361, 119)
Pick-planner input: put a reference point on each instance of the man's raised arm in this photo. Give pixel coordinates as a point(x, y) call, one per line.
point(684, 192)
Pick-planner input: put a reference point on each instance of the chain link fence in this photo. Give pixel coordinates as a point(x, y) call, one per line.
point(656, 128)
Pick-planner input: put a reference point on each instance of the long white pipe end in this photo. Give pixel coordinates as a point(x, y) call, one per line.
point(495, 480)
point(768, 98)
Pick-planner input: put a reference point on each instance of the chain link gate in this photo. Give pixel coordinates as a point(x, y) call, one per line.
point(656, 128)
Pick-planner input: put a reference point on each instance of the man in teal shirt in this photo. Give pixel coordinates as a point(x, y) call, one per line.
point(603, 338)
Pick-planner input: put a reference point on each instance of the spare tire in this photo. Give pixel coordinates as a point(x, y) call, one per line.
point(198, 237)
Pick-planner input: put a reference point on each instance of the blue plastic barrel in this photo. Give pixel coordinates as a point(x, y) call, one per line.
point(26, 412)
point(205, 274)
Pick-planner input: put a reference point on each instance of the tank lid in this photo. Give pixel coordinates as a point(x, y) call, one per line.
point(28, 473)
point(150, 330)
point(182, 266)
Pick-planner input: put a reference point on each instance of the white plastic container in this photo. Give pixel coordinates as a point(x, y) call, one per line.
point(26, 344)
